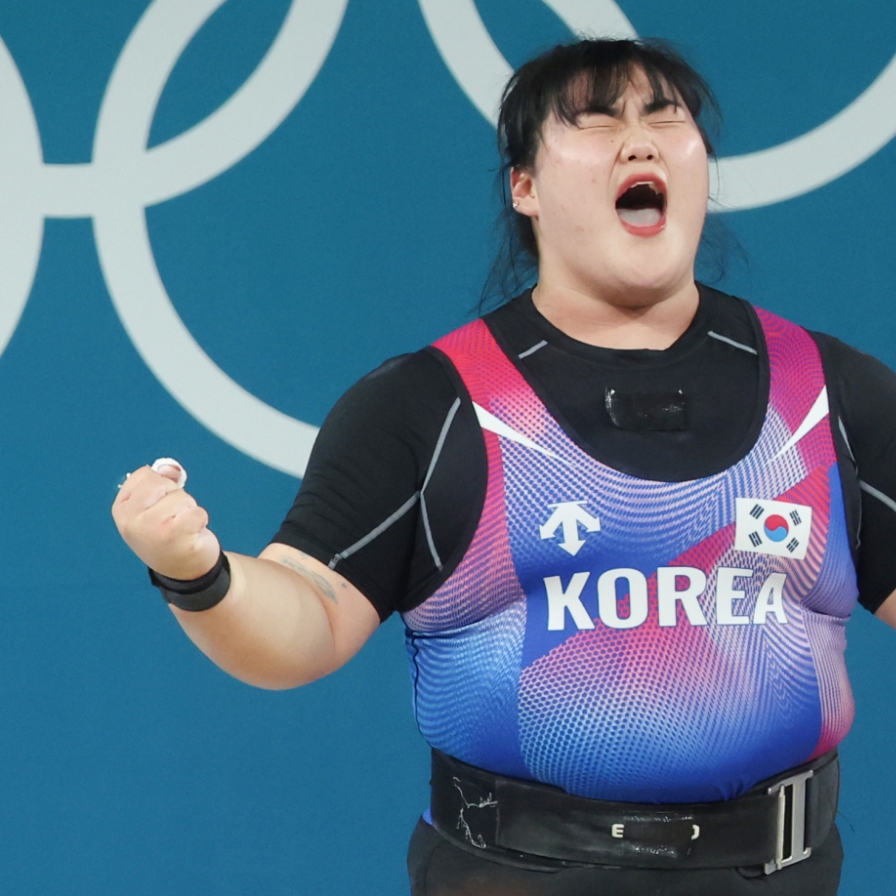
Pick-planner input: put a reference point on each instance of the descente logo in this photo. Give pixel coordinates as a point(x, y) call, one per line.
point(676, 586)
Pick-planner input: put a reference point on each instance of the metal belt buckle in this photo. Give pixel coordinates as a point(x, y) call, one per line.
point(790, 842)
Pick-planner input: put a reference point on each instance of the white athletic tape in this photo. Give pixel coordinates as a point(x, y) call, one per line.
point(171, 462)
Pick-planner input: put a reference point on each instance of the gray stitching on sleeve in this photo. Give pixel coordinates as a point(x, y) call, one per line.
point(393, 518)
point(449, 419)
point(884, 499)
point(374, 532)
point(842, 429)
point(427, 528)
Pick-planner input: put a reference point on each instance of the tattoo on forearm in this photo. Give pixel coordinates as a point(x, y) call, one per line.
point(318, 580)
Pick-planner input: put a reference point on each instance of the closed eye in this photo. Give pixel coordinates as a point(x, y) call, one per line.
point(590, 120)
point(667, 113)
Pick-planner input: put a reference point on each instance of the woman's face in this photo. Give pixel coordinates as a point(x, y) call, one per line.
point(618, 199)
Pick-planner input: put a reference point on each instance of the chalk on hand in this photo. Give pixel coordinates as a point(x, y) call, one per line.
point(171, 462)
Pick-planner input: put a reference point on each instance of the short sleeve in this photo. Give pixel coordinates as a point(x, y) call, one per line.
point(862, 394)
point(358, 507)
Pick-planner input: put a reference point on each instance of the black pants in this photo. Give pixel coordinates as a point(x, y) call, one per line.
point(439, 868)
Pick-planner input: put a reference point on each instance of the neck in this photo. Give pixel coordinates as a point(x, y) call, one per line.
point(631, 321)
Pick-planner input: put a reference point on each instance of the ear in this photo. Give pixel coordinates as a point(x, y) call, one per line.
point(522, 191)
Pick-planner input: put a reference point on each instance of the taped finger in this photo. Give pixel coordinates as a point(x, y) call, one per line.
point(171, 462)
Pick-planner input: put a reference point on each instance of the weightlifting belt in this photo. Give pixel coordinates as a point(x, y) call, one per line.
point(775, 824)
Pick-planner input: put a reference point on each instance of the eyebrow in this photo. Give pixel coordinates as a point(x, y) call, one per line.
point(661, 102)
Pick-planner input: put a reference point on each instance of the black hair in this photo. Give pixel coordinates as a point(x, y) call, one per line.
point(567, 81)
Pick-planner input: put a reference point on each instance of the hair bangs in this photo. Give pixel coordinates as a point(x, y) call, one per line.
point(590, 76)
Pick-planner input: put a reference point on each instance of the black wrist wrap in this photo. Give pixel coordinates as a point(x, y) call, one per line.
point(196, 594)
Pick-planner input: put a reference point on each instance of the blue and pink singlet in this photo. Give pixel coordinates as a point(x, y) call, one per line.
point(627, 639)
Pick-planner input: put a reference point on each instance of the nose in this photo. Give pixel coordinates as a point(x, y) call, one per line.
point(638, 145)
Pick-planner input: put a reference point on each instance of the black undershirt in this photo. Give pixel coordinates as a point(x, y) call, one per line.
point(375, 448)
point(572, 379)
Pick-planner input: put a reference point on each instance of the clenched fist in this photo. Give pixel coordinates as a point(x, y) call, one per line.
point(163, 525)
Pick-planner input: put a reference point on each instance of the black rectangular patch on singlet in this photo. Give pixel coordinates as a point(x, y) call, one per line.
point(646, 412)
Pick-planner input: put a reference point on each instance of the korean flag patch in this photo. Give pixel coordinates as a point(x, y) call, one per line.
point(773, 527)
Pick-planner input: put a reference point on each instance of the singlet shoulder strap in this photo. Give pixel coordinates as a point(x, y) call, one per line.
point(481, 363)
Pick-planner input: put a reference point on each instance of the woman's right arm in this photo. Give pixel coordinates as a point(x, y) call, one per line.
point(286, 619)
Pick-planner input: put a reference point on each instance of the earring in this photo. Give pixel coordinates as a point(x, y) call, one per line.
point(516, 203)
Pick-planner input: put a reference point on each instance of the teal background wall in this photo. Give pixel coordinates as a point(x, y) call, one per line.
point(196, 260)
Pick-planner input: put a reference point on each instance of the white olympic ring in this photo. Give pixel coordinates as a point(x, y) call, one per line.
point(738, 182)
point(125, 177)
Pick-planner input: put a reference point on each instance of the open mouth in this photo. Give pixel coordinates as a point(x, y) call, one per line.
point(642, 207)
